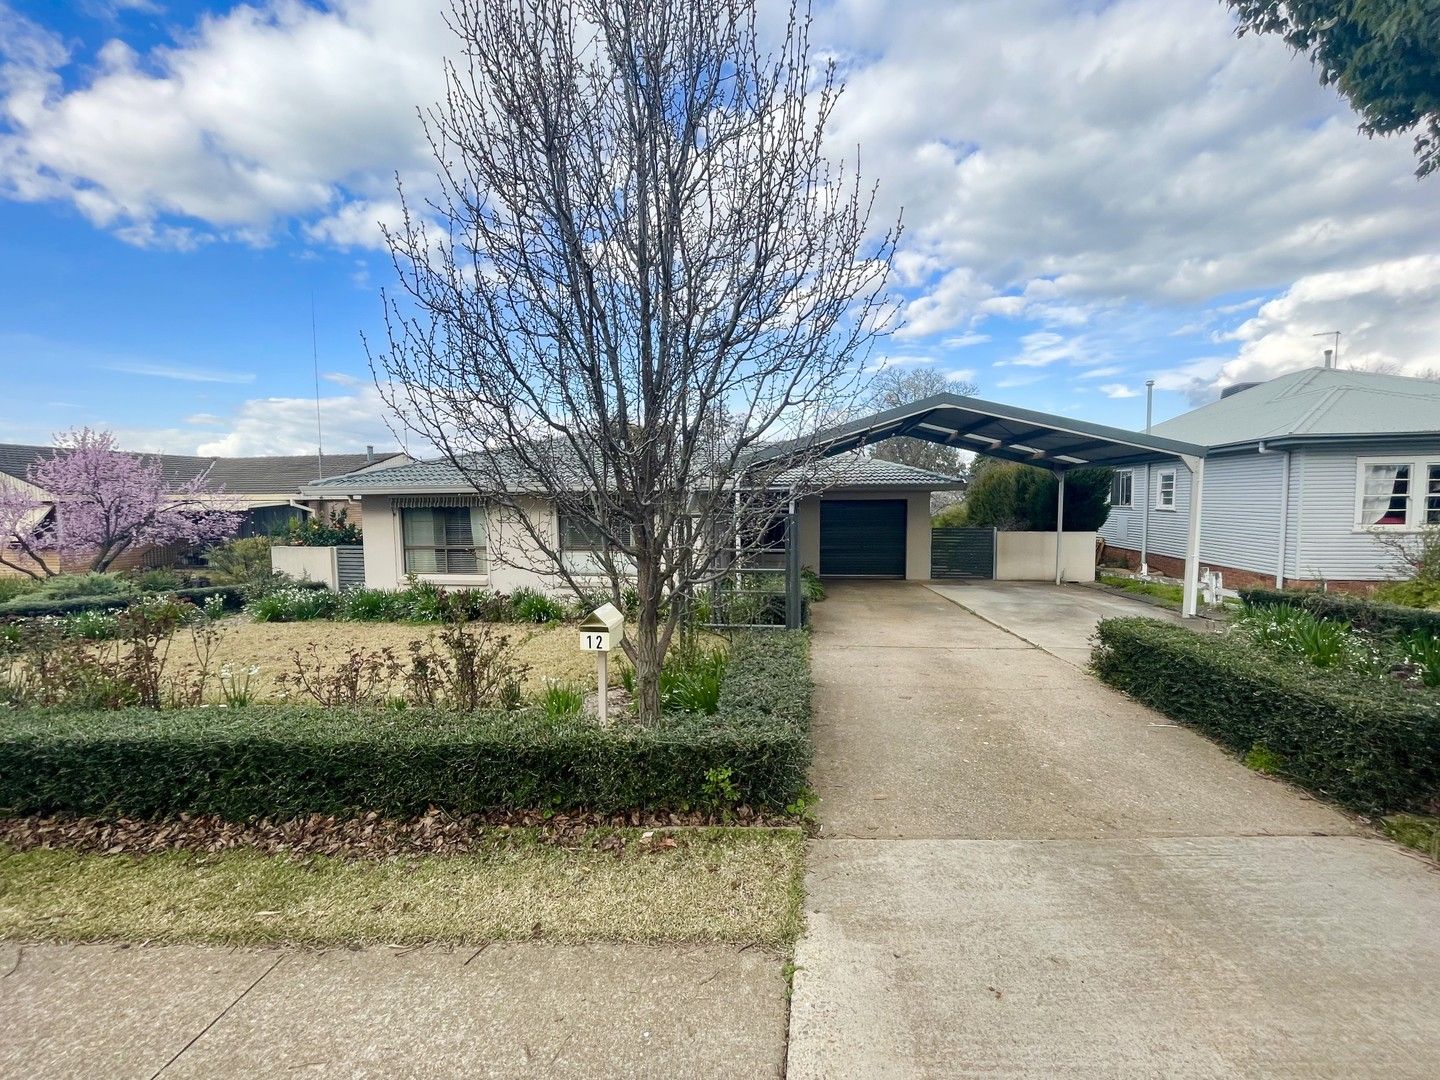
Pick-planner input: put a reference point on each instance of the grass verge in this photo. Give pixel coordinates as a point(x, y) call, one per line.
point(1166, 593)
point(722, 885)
point(1419, 831)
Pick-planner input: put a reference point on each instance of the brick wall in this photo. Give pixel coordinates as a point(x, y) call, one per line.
point(1234, 578)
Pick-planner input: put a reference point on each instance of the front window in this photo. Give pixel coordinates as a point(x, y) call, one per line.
point(444, 539)
point(580, 536)
point(1122, 489)
point(1394, 494)
point(1165, 490)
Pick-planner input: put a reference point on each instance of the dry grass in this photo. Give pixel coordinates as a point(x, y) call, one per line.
point(733, 886)
point(551, 651)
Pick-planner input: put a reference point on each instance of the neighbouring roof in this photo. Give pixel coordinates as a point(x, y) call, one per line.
point(1317, 403)
point(236, 476)
point(442, 477)
point(867, 472)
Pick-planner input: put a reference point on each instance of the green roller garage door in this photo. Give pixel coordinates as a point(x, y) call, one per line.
point(862, 538)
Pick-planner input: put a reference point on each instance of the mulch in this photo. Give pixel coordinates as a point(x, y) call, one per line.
point(369, 836)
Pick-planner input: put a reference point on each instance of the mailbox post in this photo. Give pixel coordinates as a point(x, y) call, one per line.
point(602, 631)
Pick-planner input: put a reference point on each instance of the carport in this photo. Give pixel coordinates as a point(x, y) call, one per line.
point(1047, 440)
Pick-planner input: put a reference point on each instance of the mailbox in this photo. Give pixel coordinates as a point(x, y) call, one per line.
point(602, 629)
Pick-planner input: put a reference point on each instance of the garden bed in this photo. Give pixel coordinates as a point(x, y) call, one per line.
point(280, 761)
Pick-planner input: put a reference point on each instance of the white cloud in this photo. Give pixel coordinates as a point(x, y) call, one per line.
point(1118, 390)
point(1101, 372)
point(182, 372)
point(1387, 315)
point(964, 341)
point(286, 425)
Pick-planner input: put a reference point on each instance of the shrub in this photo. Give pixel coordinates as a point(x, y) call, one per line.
point(530, 605)
point(11, 587)
point(293, 603)
point(1012, 496)
point(1359, 612)
point(561, 699)
point(285, 761)
point(240, 562)
point(1415, 594)
point(30, 605)
point(69, 586)
point(1371, 746)
point(372, 605)
point(314, 531)
point(155, 580)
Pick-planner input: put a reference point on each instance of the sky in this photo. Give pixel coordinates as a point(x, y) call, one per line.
point(1094, 194)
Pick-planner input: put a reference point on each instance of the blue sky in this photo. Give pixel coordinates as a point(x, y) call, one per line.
point(1123, 191)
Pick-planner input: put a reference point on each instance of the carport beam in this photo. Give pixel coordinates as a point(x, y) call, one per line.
point(1059, 526)
point(1189, 596)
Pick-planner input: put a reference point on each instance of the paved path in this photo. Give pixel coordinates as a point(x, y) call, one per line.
point(524, 1010)
point(1023, 873)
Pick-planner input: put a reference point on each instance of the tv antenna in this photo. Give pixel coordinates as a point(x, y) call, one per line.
point(315, 364)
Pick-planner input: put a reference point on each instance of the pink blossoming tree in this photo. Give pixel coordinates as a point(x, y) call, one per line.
point(107, 502)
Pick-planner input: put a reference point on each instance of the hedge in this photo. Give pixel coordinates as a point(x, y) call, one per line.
point(1359, 612)
point(24, 607)
point(286, 761)
point(1371, 746)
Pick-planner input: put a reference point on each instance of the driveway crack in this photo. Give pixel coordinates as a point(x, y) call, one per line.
point(223, 1013)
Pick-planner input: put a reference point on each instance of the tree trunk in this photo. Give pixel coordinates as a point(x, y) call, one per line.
point(648, 657)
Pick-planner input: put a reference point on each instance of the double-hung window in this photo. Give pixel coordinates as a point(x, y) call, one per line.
point(444, 539)
point(1165, 489)
point(579, 537)
point(1122, 489)
point(1397, 493)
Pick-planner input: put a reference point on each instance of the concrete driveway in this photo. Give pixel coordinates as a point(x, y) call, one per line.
point(1056, 618)
point(1023, 873)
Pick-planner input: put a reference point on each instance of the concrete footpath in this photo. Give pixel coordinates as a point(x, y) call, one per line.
point(524, 1010)
point(1023, 873)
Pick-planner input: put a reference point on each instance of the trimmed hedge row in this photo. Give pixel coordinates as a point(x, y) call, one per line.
point(1359, 612)
point(1373, 747)
point(283, 761)
point(24, 607)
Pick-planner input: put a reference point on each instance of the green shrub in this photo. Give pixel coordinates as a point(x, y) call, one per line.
point(1006, 495)
point(239, 562)
point(288, 761)
point(11, 587)
point(530, 605)
point(30, 605)
point(92, 625)
point(560, 700)
point(1371, 746)
point(313, 531)
point(1415, 594)
point(154, 580)
point(293, 604)
point(372, 605)
point(1359, 612)
point(69, 586)
point(692, 678)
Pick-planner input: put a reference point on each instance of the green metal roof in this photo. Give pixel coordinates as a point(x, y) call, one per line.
point(1317, 403)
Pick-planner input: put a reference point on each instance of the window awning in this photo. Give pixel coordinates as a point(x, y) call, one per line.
point(1002, 431)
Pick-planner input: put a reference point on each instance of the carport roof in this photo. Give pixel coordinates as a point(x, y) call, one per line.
point(1002, 431)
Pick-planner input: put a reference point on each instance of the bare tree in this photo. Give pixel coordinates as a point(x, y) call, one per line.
point(641, 266)
point(895, 387)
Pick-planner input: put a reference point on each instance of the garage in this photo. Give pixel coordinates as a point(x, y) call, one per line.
point(862, 538)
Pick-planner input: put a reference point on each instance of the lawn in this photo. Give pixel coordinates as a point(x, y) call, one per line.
point(1171, 595)
point(551, 651)
point(731, 886)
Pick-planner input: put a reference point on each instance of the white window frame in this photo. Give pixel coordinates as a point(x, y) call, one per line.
point(1420, 467)
point(1174, 503)
point(1129, 503)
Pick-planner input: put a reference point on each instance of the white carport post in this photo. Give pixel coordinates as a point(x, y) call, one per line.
point(1059, 526)
point(1189, 597)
